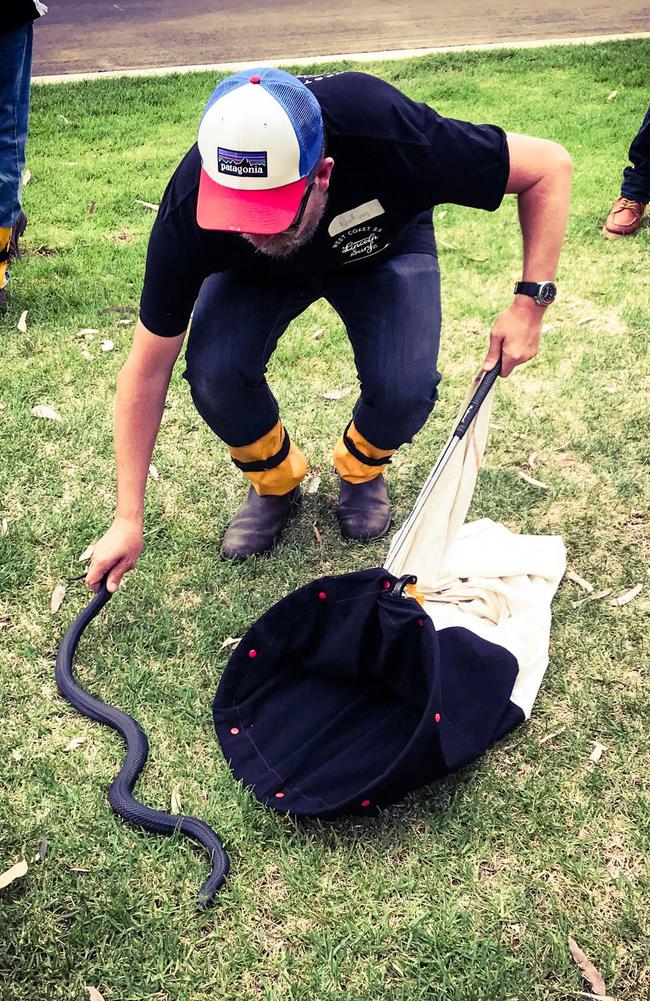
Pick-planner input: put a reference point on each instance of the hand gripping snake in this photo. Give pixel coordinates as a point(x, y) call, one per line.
point(120, 792)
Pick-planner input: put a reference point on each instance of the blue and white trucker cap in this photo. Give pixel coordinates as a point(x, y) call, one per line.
point(260, 137)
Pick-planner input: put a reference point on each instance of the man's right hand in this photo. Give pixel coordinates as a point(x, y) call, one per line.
point(116, 552)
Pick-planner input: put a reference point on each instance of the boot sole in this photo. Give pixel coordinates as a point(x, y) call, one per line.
point(619, 236)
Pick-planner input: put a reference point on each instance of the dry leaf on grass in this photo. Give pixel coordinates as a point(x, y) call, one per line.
point(550, 736)
point(87, 553)
point(66, 121)
point(85, 353)
point(532, 459)
point(586, 319)
point(596, 596)
point(42, 850)
point(628, 596)
point(565, 460)
point(153, 472)
point(73, 744)
point(317, 334)
point(88, 332)
point(533, 482)
point(92, 207)
point(22, 322)
point(4, 527)
point(27, 176)
point(612, 95)
point(580, 581)
point(589, 971)
point(318, 536)
point(47, 413)
point(93, 993)
point(147, 205)
point(17, 871)
point(597, 752)
point(124, 323)
point(589, 994)
point(230, 641)
point(312, 483)
point(56, 598)
point(176, 806)
point(338, 394)
point(107, 345)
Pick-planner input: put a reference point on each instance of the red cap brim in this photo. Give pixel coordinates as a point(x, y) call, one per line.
point(263, 212)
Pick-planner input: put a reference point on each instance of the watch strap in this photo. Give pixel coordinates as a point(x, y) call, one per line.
point(528, 288)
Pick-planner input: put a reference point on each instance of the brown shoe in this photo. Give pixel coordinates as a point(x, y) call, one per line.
point(258, 523)
point(624, 219)
point(364, 510)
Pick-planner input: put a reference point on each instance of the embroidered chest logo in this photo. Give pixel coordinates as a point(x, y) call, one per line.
point(231, 161)
point(361, 242)
point(355, 240)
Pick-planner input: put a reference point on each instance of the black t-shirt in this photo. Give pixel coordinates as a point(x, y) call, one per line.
point(394, 160)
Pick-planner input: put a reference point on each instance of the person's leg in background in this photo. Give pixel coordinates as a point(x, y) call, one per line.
point(237, 322)
point(627, 213)
point(393, 318)
point(15, 76)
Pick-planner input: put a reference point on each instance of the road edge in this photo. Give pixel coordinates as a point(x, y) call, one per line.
point(388, 55)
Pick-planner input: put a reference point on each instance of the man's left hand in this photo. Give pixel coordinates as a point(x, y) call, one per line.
point(515, 337)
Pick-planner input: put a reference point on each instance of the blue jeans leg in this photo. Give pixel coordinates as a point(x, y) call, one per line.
point(15, 75)
point(636, 179)
point(393, 318)
point(238, 320)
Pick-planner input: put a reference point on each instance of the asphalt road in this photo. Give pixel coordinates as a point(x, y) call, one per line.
point(89, 35)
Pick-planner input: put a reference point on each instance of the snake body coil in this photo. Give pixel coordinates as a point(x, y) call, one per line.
point(120, 793)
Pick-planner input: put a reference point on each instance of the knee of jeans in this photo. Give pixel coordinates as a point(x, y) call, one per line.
point(217, 385)
point(403, 397)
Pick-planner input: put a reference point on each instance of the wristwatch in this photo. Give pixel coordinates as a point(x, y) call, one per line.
point(542, 292)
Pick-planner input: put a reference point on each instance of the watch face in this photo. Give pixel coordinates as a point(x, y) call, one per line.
point(547, 293)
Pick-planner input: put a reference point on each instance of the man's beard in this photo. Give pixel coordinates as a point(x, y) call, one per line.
point(286, 244)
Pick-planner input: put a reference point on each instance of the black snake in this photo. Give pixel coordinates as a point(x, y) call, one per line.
point(120, 792)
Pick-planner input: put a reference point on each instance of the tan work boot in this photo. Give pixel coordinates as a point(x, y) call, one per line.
point(624, 219)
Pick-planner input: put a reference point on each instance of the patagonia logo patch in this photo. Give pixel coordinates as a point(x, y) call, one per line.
point(231, 161)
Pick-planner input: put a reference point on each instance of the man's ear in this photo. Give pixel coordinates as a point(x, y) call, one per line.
point(324, 173)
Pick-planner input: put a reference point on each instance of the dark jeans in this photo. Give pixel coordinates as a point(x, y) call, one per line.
point(15, 73)
point(392, 316)
point(636, 179)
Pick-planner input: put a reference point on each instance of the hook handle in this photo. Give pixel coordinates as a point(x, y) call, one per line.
point(484, 388)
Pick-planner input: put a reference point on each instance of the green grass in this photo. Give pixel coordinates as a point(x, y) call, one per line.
point(467, 890)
